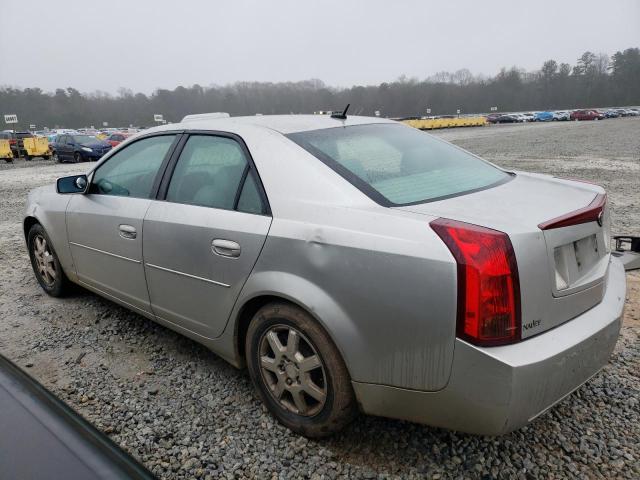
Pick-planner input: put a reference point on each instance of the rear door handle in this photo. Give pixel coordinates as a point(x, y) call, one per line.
point(127, 231)
point(226, 248)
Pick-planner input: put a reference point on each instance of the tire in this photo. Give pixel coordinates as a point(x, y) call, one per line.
point(46, 157)
point(28, 158)
point(77, 158)
point(45, 263)
point(284, 383)
point(56, 158)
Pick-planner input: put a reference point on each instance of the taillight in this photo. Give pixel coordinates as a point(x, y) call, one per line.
point(488, 284)
point(12, 142)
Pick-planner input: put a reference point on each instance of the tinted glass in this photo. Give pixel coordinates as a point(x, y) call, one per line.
point(250, 200)
point(131, 172)
point(208, 172)
point(399, 165)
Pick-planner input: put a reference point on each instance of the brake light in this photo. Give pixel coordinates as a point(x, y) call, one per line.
point(488, 283)
point(593, 212)
point(12, 142)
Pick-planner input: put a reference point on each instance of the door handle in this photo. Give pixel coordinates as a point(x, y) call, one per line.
point(225, 248)
point(128, 232)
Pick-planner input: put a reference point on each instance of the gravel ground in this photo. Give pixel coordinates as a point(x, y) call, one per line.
point(185, 413)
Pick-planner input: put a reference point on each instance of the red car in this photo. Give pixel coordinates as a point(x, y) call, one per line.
point(586, 115)
point(116, 138)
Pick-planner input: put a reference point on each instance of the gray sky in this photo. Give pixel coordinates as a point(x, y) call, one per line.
point(144, 44)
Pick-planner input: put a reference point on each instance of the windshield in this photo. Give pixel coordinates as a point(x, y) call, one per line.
point(85, 139)
point(398, 165)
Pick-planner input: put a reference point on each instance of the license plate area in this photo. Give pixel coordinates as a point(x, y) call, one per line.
point(578, 257)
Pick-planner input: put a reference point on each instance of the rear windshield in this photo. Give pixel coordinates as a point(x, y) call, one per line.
point(398, 165)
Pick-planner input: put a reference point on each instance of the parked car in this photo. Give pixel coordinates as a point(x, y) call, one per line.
point(349, 262)
point(78, 148)
point(611, 114)
point(586, 115)
point(116, 139)
point(633, 112)
point(544, 116)
point(529, 117)
point(561, 116)
point(493, 117)
point(508, 118)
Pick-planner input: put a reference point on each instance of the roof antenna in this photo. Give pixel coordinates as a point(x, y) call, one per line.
point(343, 115)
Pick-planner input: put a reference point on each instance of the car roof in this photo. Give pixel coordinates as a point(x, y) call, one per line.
point(281, 123)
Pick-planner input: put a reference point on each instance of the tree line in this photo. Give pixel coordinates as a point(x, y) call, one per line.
point(595, 80)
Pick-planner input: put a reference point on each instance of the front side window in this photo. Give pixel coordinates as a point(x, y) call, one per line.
point(208, 172)
point(131, 172)
point(398, 165)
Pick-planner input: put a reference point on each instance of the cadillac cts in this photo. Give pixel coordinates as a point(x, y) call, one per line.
point(352, 264)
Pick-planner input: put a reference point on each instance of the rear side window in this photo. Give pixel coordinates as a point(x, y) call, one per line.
point(398, 165)
point(250, 200)
point(131, 172)
point(209, 173)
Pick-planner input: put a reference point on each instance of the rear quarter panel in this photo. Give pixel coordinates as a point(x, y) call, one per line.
point(381, 285)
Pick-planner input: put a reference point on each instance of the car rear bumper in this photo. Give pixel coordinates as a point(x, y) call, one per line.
point(495, 390)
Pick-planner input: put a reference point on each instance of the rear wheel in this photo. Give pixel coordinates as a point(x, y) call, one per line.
point(28, 158)
point(45, 263)
point(298, 372)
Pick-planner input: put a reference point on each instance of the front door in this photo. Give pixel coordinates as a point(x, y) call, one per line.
point(105, 225)
point(202, 240)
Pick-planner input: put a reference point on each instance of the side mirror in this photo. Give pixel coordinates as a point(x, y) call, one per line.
point(72, 184)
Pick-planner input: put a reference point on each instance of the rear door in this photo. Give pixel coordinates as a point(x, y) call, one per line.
point(204, 233)
point(104, 226)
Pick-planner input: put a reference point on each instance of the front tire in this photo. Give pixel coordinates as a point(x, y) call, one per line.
point(77, 158)
point(298, 371)
point(45, 263)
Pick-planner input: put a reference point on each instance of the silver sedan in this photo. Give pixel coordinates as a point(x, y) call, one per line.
point(350, 263)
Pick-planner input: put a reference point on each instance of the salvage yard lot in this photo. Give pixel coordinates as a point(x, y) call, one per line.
point(185, 413)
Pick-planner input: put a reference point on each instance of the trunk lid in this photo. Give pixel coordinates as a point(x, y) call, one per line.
point(561, 268)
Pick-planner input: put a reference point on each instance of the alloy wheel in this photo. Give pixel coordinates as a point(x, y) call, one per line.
point(44, 260)
point(293, 370)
